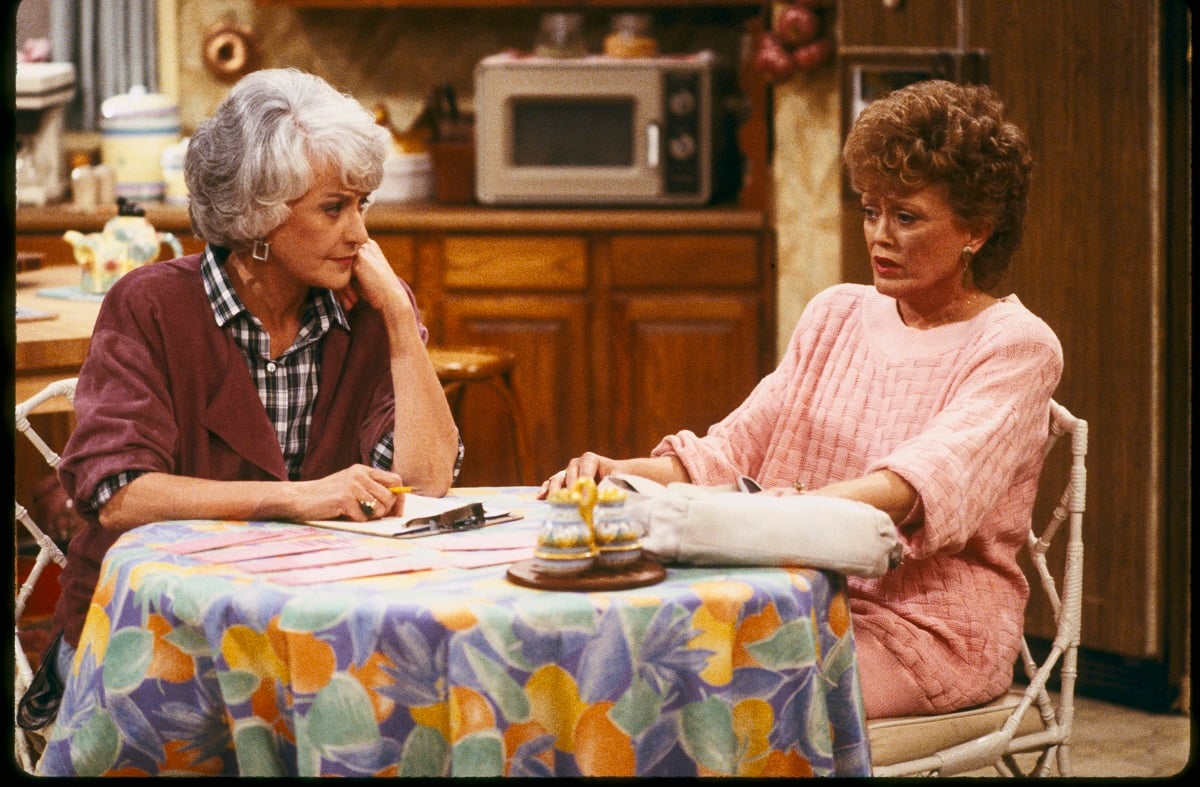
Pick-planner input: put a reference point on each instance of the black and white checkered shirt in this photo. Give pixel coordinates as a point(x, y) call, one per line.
point(287, 385)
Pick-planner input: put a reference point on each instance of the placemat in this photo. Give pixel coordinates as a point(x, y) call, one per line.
point(33, 315)
point(70, 293)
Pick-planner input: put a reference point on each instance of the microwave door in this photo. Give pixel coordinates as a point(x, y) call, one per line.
point(568, 132)
point(584, 148)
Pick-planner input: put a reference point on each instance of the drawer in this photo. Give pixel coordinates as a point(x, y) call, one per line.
point(685, 261)
point(520, 262)
point(400, 254)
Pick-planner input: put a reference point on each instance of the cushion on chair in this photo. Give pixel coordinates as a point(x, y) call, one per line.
point(912, 737)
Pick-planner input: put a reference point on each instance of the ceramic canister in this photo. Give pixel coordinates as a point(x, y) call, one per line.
point(174, 187)
point(616, 539)
point(137, 127)
point(564, 542)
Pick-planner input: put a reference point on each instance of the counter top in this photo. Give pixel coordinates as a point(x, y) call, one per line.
point(434, 217)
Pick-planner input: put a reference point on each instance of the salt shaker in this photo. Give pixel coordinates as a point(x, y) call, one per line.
point(106, 184)
point(617, 543)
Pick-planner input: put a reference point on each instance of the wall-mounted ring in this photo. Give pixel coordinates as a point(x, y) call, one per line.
point(230, 51)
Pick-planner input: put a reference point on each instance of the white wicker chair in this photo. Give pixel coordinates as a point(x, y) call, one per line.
point(991, 735)
point(47, 551)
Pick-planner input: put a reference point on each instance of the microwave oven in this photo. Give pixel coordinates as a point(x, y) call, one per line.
point(601, 130)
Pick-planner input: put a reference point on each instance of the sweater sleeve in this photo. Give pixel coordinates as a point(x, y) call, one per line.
point(984, 442)
point(123, 407)
point(377, 438)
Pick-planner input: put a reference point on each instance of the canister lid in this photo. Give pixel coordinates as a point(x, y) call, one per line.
point(138, 103)
point(40, 85)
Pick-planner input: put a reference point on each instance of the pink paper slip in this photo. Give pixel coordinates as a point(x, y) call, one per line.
point(273, 548)
point(399, 564)
point(322, 557)
point(490, 557)
point(242, 535)
point(480, 540)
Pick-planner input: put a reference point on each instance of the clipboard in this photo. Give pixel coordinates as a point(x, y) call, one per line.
point(424, 516)
point(468, 517)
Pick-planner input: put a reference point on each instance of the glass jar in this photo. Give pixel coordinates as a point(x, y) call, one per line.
point(630, 36)
point(560, 35)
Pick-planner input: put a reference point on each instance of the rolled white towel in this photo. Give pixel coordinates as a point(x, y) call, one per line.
point(714, 526)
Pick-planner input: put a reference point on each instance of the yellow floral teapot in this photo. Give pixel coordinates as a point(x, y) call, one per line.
point(127, 242)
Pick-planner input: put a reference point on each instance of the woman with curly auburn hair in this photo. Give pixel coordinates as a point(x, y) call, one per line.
point(956, 136)
point(921, 395)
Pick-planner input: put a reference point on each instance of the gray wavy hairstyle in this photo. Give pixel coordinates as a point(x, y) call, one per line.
point(257, 151)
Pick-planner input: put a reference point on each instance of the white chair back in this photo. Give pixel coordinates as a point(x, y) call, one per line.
point(994, 734)
point(47, 552)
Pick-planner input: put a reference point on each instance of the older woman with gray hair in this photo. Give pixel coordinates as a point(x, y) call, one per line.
point(279, 375)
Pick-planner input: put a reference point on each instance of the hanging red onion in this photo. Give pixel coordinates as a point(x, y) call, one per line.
point(773, 59)
point(813, 55)
point(797, 26)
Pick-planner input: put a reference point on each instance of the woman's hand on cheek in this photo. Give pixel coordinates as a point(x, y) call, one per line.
point(374, 280)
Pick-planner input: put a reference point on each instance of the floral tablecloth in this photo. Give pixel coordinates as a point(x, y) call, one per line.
point(194, 667)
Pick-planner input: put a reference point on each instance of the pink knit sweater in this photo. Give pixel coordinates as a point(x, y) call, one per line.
point(959, 411)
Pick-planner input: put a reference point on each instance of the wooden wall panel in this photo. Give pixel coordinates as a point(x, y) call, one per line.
point(1080, 82)
point(912, 23)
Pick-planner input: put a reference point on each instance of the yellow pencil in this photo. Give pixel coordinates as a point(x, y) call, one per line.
point(399, 490)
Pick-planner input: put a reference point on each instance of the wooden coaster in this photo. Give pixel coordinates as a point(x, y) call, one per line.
point(645, 571)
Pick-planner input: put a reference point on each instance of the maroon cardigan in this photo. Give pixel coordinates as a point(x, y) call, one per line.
point(164, 389)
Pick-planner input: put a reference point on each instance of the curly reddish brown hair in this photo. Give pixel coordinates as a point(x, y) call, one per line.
point(938, 133)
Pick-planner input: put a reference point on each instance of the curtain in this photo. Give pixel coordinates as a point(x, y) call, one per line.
point(113, 45)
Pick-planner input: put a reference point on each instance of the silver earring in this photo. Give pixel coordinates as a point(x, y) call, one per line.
point(261, 251)
point(967, 255)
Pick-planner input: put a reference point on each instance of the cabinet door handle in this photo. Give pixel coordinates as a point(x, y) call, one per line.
point(652, 145)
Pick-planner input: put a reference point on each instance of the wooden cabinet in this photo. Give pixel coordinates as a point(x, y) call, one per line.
point(627, 324)
point(527, 293)
point(621, 335)
point(684, 318)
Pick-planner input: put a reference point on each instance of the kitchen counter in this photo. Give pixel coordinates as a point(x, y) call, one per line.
point(627, 323)
point(430, 216)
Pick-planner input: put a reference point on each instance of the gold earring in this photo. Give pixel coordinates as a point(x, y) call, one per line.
point(965, 258)
point(261, 251)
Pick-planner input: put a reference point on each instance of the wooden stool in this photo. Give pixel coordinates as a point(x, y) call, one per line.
point(458, 367)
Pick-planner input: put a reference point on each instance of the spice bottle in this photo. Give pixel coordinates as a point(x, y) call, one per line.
point(630, 37)
point(106, 184)
point(560, 35)
point(83, 182)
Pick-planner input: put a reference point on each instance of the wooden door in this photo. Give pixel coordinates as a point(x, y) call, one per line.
point(526, 294)
point(680, 362)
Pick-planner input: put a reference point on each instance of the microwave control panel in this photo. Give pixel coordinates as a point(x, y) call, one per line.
point(681, 131)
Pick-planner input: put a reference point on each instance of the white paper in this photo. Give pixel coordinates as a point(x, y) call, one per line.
point(416, 507)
